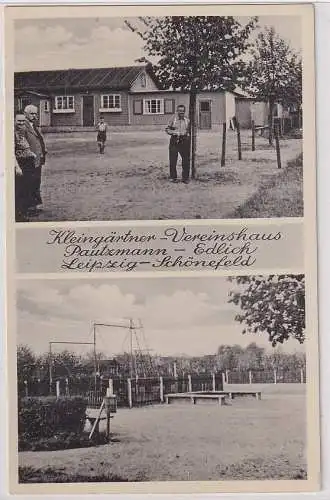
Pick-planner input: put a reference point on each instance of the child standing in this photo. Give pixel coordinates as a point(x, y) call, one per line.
point(101, 134)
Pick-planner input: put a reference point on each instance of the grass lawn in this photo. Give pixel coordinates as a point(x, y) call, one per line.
point(130, 181)
point(281, 196)
point(248, 439)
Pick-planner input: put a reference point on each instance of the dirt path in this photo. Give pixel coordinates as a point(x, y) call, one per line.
point(131, 180)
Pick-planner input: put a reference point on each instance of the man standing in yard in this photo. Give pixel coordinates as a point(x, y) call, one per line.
point(179, 130)
point(37, 146)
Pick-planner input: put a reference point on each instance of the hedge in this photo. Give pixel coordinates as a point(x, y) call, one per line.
point(43, 417)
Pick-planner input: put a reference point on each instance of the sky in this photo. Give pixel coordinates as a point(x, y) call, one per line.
point(42, 44)
point(188, 316)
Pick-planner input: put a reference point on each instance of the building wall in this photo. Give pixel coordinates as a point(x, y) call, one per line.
point(75, 119)
point(260, 113)
point(230, 107)
point(217, 99)
point(155, 119)
point(218, 106)
point(112, 117)
point(67, 119)
point(243, 112)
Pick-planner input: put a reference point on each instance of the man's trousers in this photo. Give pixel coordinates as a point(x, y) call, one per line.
point(179, 146)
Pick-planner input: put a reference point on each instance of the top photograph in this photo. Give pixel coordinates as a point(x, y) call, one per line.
point(156, 118)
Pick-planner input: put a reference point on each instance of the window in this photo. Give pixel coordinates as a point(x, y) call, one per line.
point(154, 106)
point(64, 104)
point(111, 102)
point(205, 106)
point(46, 106)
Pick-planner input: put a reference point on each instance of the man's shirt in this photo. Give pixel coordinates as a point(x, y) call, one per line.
point(178, 126)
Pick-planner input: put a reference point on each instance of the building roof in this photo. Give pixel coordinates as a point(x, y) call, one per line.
point(78, 79)
point(31, 92)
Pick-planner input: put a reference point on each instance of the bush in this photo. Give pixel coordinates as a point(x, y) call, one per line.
point(61, 441)
point(40, 418)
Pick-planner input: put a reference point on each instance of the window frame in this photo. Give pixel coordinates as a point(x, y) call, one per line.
point(107, 109)
point(60, 98)
point(161, 106)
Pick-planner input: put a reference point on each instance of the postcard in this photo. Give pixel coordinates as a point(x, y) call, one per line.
point(162, 328)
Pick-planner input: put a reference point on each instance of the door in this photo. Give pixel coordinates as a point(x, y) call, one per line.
point(205, 121)
point(44, 112)
point(88, 111)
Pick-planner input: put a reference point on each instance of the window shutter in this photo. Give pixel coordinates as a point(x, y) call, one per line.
point(138, 107)
point(169, 106)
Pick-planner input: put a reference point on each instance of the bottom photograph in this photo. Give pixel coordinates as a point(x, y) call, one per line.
point(171, 379)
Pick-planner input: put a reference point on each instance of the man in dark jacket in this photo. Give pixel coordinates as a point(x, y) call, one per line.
point(37, 145)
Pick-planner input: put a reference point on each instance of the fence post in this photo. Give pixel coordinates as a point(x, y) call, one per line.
point(107, 406)
point(223, 378)
point(275, 377)
point(213, 382)
point(250, 377)
point(26, 388)
point(223, 151)
point(253, 136)
point(239, 144)
point(277, 144)
point(189, 384)
point(58, 389)
point(161, 389)
point(111, 386)
point(129, 393)
point(301, 376)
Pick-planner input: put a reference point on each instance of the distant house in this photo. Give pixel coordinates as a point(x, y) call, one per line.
point(75, 98)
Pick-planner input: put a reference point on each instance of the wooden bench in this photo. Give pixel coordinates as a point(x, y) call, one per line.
point(194, 397)
point(242, 394)
point(214, 395)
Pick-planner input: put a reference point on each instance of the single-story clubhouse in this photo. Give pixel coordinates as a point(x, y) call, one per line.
point(130, 95)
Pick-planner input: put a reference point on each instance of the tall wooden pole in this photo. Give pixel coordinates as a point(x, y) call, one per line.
point(107, 405)
point(239, 144)
point(277, 144)
point(50, 368)
point(223, 151)
point(253, 136)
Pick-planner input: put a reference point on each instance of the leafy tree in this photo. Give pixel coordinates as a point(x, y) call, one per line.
point(272, 304)
point(195, 53)
point(252, 358)
point(65, 363)
point(229, 357)
point(26, 363)
point(274, 73)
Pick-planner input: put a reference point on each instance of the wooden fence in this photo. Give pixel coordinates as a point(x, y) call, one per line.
point(146, 391)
